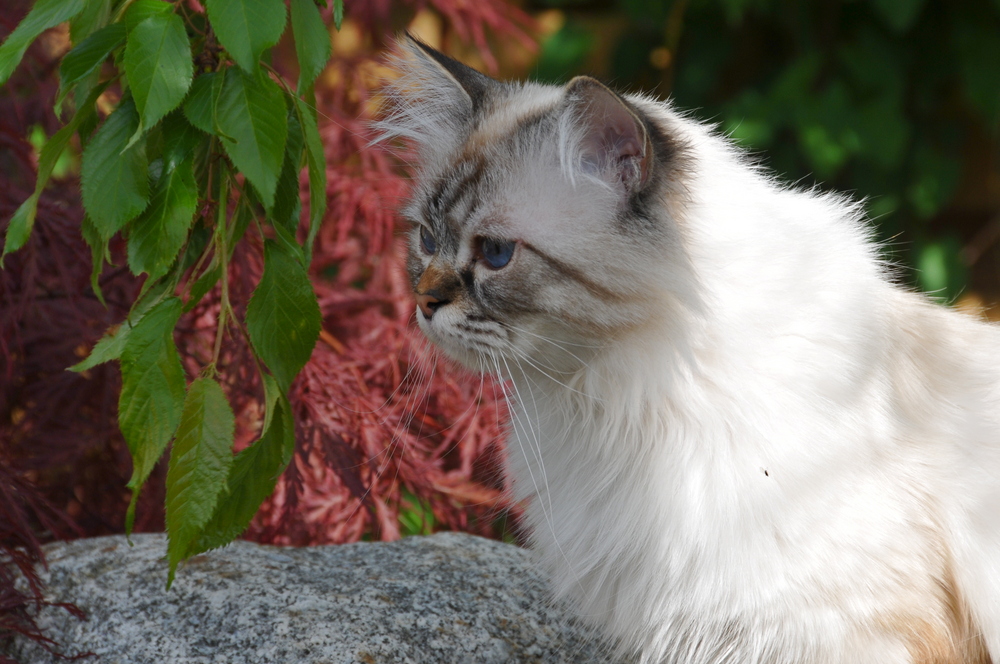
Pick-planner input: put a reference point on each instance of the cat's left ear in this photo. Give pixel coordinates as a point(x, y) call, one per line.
point(613, 142)
point(434, 100)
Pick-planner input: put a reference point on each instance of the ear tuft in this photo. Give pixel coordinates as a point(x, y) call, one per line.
point(434, 100)
point(612, 141)
point(476, 85)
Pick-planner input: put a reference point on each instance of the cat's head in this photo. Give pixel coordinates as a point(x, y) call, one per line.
point(544, 217)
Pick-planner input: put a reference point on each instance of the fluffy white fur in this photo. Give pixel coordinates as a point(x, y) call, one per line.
point(777, 455)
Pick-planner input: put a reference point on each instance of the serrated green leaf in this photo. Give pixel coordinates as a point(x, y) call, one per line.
point(316, 161)
point(114, 179)
point(251, 480)
point(158, 65)
point(87, 57)
point(312, 41)
point(338, 13)
point(140, 10)
point(286, 196)
point(158, 234)
point(251, 110)
point(247, 27)
point(199, 108)
point(283, 317)
point(21, 223)
point(200, 460)
point(44, 15)
point(110, 346)
point(152, 395)
point(93, 17)
point(99, 253)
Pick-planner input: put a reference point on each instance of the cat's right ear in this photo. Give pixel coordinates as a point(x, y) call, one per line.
point(435, 98)
point(603, 137)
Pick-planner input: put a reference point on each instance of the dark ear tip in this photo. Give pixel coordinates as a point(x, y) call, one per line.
point(583, 84)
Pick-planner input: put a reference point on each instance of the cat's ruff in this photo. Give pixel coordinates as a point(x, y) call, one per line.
point(740, 440)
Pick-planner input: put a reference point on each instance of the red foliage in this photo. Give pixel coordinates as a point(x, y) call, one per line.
point(381, 419)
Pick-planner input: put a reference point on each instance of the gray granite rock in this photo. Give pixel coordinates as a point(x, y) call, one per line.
point(445, 598)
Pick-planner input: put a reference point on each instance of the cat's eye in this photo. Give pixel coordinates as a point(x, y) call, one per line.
point(427, 240)
point(496, 253)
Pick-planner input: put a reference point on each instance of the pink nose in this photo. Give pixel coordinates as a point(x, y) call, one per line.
point(428, 303)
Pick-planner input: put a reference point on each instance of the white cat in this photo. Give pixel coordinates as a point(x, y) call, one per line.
point(738, 439)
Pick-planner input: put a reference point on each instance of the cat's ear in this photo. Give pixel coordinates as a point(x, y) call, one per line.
point(611, 141)
point(471, 86)
point(435, 98)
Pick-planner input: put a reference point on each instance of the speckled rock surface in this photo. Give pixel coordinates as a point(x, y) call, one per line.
point(446, 598)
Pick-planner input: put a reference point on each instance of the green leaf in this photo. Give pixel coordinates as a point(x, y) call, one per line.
point(44, 15)
point(152, 396)
point(312, 41)
point(338, 12)
point(247, 27)
point(114, 179)
point(19, 229)
point(200, 106)
point(900, 15)
point(93, 17)
point(283, 317)
point(87, 57)
point(316, 161)
point(110, 346)
point(158, 234)
point(252, 477)
point(99, 252)
point(286, 196)
point(158, 65)
point(200, 460)
point(251, 110)
point(140, 10)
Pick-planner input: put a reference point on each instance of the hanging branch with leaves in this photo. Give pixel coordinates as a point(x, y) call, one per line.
point(206, 143)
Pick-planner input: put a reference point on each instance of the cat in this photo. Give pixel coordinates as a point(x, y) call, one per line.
point(738, 438)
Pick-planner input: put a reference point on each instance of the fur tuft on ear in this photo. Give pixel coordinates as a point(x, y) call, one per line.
point(602, 137)
point(435, 99)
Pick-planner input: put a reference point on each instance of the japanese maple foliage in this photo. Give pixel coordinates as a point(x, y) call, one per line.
point(385, 427)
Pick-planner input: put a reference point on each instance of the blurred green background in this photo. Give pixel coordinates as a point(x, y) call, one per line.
point(893, 101)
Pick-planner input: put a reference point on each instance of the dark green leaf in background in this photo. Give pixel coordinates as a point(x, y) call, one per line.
point(200, 461)
point(152, 396)
point(94, 16)
point(114, 179)
point(283, 317)
point(252, 477)
point(251, 111)
point(44, 15)
point(158, 65)
point(19, 229)
point(99, 253)
point(88, 56)
point(247, 27)
point(316, 161)
point(200, 106)
point(900, 15)
point(286, 196)
point(312, 41)
point(159, 233)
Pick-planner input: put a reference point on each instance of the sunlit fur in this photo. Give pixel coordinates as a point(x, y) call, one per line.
point(738, 440)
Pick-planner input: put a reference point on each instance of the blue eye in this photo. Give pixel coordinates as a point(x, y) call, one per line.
point(427, 240)
point(497, 253)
